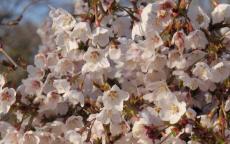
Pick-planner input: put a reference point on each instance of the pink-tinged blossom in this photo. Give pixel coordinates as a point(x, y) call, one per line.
point(33, 86)
point(114, 98)
point(7, 98)
point(95, 61)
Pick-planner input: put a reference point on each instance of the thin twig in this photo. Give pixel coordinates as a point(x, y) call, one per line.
point(8, 57)
point(101, 8)
point(90, 128)
point(129, 13)
point(17, 20)
point(166, 138)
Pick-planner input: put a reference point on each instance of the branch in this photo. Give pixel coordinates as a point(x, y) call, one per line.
point(8, 57)
point(17, 20)
point(129, 13)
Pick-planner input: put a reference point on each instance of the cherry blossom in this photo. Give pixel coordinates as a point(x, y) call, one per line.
point(197, 40)
point(62, 20)
point(172, 112)
point(116, 71)
point(7, 98)
point(221, 13)
point(114, 98)
point(95, 61)
point(107, 116)
point(198, 16)
point(74, 97)
point(61, 85)
point(81, 31)
point(32, 86)
point(101, 36)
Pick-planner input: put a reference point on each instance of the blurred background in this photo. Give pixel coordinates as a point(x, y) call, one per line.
point(21, 41)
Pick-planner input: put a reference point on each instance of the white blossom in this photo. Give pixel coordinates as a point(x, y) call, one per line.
point(74, 137)
point(33, 86)
point(7, 98)
point(114, 98)
point(221, 13)
point(40, 60)
point(220, 71)
point(197, 40)
point(12, 137)
point(202, 71)
point(137, 30)
point(157, 15)
point(35, 72)
point(101, 36)
point(198, 17)
point(95, 61)
point(74, 123)
point(80, 7)
point(121, 26)
point(30, 137)
point(159, 90)
point(179, 39)
point(172, 110)
point(74, 97)
point(139, 131)
point(176, 60)
point(191, 114)
point(153, 41)
point(188, 128)
point(66, 43)
point(51, 101)
point(46, 137)
point(116, 71)
point(62, 20)
point(64, 66)
point(205, 121)
point(227, 105)
point(114, 53)
point(61, 85)
point(107, 116)
point(81, 31)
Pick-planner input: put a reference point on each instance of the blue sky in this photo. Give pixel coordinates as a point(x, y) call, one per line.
point(39, 11)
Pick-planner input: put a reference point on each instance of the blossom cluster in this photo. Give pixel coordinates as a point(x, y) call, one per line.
point(125, 72)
